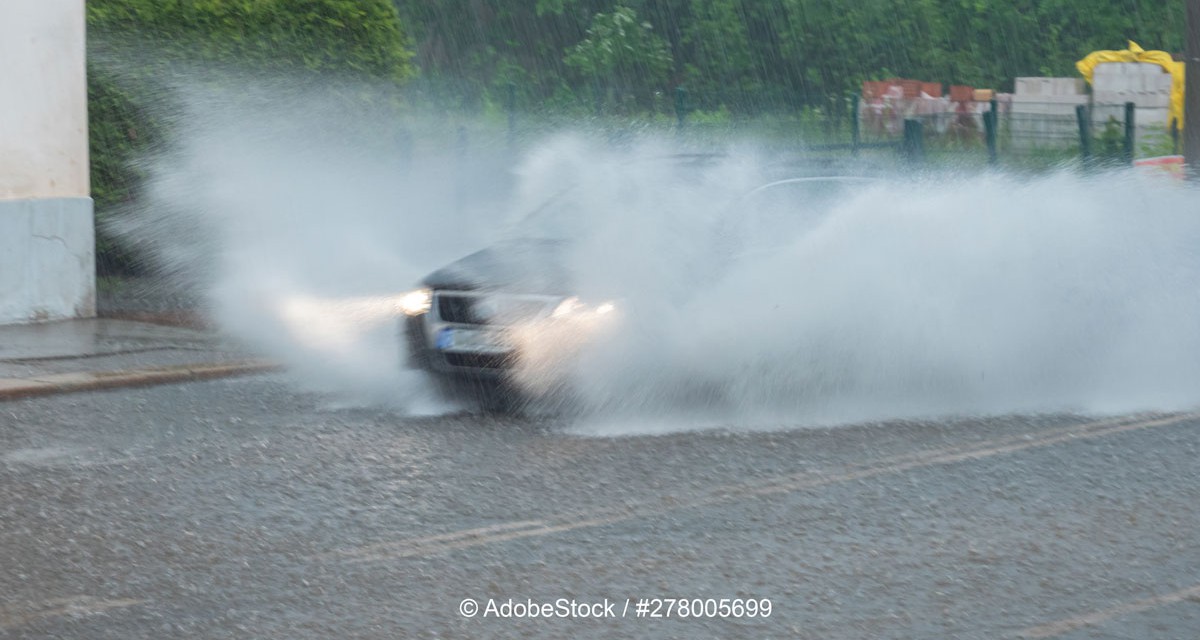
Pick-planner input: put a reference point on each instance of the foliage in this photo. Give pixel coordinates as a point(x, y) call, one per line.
point(118, 130)
point(309, 35)
point(1110, 144)
point(622, 54)
point(135, 44)
point(1158, 143)
point(755, 55)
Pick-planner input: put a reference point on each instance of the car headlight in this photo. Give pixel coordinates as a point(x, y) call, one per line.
point(574, 307)
point(416, 302)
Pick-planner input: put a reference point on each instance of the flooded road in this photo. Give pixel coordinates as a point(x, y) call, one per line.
point(243, 508)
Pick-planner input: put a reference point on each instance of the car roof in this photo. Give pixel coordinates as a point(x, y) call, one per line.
point(814, 179)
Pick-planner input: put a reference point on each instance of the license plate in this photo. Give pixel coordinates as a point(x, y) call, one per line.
point(471, 340)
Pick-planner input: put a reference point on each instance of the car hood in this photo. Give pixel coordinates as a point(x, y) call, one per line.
point(519, 266)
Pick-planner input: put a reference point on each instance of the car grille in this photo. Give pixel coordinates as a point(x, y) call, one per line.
point(452, 308)
point(498, 309)
point(479, 360)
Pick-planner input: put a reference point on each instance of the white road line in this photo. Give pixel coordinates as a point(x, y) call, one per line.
point(443, 543)
point(403, 550)
point(444, 538)
point(15, 616)
point(1067, 625)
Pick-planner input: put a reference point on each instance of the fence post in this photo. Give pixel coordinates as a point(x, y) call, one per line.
point(1191, 97)
point(681, 106)
point(1175, 136)
point(404, 145)
point(855, 138)
point(461, 146)
point(1129, 133)
point(913, 148)
point(597, 97)
point(1085, 134)
point(990, 124)
point(510, 105)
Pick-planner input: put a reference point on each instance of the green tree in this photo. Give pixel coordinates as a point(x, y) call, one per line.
point(356, 36)
point(137, 46)
point(622, 57)
point(752, 55)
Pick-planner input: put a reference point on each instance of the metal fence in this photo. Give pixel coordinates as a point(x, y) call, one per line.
point(1031, 137)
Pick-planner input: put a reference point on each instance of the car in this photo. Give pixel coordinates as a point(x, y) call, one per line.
point(472, 322)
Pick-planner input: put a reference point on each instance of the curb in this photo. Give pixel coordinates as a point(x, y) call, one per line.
point(179, 318)
point(16, 388)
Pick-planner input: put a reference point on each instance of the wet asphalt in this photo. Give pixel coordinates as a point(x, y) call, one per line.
point(244, 508)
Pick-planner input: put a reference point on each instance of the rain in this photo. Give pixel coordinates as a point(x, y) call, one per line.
point(611, 318)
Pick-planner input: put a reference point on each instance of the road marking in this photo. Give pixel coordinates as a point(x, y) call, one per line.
point(436, 540)
point(15, 616)
point(503, 532)
point(952, 455)
point(1067, 625)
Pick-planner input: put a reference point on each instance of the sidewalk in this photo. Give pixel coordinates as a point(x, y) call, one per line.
point(84, 355)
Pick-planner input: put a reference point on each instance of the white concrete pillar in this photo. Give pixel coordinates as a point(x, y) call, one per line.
point(47, 228)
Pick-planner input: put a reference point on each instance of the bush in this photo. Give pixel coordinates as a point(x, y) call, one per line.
point(360, 36)
point(118, 131)
point(136, 44)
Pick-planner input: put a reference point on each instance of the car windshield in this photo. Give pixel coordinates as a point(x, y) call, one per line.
point(779, 209)
point(779, 212)
point(639, 183)
point(555, 219)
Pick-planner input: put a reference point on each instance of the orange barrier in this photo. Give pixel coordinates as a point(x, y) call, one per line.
point(1172, 165)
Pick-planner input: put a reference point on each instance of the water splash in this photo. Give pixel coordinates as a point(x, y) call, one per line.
point(907, 298)
point(945, 295)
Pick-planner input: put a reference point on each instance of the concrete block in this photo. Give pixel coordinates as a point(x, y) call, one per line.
point(1051, 99)
point(1045, 86)
point(1154, 99)
point(1047, 105)
point(1156, 117)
